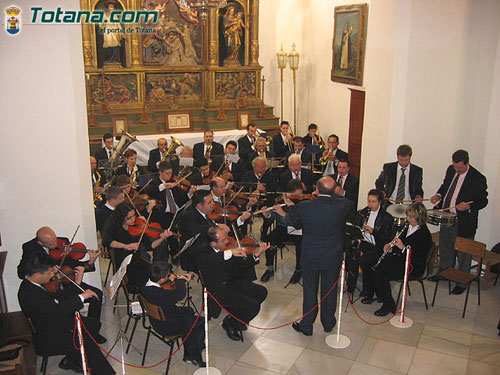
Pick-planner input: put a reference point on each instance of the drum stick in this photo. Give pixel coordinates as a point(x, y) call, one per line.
point(405, 201)
point(450, 208)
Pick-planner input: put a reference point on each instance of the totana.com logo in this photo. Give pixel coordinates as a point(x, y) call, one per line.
point(13, 20)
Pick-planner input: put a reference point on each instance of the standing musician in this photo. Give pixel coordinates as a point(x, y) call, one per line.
point(98, 178)
point(300, 149)
point(203, 175)
point(463, 188)
point(114, 196)
point(245, 143)
point(348, 185)
point(156, 155)
point(116, 236)
point(105, 152)
point(45, 241)
point(130, 167)
point(334, 155)
point(228, 276)
point(376, 225)
point(392, 267)
point(165, 288)
point(312, 138)
point(296, 172)
point(401, 180)
point(208, 148)
point(322, 221)
point(260, 149)
point(53, 316)
point(282, 142)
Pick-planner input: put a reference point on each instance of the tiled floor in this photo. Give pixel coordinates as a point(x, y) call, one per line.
point(440, 341)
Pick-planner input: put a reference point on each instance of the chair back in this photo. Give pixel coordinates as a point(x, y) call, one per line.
point(472, 247)
point(154, 311)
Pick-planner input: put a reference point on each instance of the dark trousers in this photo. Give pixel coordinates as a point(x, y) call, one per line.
point(369, 258)
point(243, 300)
point(95, 304)
point(312, 279)
point(276, 238)
point(447, 253)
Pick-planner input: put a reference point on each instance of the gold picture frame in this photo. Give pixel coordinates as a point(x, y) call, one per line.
point(177, 121)
point(120, 125)
point(243, 119)
point(349, 37)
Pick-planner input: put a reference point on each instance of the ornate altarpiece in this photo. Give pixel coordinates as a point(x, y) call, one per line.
point(209, 69)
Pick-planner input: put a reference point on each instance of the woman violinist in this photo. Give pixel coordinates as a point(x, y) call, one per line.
point(117, 237)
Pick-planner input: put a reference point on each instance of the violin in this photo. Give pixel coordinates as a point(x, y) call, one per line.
point(171, 284)
point(247, 243)
point(76, 251)
point(184, 185)
point(229, 212)
point(207, 179)
point(153, 230)
point(242, 197)
point(296, 197)
point(140, 201)
point(54, 284)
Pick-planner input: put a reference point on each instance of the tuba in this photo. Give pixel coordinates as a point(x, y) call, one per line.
point(125, 141)
point(171, 149)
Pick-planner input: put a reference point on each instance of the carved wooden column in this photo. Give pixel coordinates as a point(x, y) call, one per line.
point(87, 39)
point(254, 33)
point(135, 49)
point(213, 50)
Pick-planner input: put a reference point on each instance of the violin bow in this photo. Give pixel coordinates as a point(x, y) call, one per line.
point(182, 179)
point(72, 239)
point(234, 196)
point(144, 187)
point(145, 227)
point(66, 276)
point(132, 203)
point(236, 235)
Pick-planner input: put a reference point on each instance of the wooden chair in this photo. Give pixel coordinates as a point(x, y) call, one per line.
point(156, 312)
point(477, 250)
point(429, 265)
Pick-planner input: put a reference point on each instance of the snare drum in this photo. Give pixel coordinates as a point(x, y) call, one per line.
point(442, 218)
point(398, 213)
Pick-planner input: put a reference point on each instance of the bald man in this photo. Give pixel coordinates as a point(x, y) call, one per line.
point(156, 154)
point(322, 221)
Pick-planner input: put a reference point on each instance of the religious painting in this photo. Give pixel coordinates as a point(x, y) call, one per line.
point(110, 40)
point(349, 36)
point(235, 85)
point(178, 121)
point(232, 34)
point(177, 38)
point(113, 88)
point(119, 126)
point(243, 119)
point(163, 87)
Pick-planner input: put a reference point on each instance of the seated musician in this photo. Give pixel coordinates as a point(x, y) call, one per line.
point(116, 236)
point(228, 276)
point(157, 154)
point(260, 150)
point(334, 155)
point(203, 175)
point(53, 316)
point(280, 234)
point(376, 224)
point(98, 179)
point(295, 171)
point(208, 148)
point(178, 319)
point(114, 196)
point(130, 167)
point(300, 149)
point(392, 267)
point(348, 185)
point(282, 141)
point(218, 188)
point(45, 241)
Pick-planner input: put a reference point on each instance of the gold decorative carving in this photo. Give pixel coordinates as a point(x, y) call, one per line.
point(212, 54)
point(255, 52)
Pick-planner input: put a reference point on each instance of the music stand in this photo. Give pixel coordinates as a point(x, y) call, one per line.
point(189, 298)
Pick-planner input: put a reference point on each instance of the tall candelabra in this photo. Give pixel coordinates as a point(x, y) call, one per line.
point(282, 57)
point(293, 58)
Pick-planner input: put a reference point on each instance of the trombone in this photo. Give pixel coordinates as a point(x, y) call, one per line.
point(319, 141)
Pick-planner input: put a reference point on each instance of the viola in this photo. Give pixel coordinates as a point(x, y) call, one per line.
point(53, 285)
point(247, 243)
point(153, 230)
point(76, 251)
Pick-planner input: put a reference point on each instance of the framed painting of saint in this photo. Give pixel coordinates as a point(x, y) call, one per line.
point(349, 36)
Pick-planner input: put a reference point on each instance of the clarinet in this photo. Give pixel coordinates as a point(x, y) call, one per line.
point(391, 245)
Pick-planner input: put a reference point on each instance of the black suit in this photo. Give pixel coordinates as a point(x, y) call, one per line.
point(268, 179)
point(101, 216)
point(386, 181)
point(322, 221)
point(244, 147)
point(306, 176)
point(305, 157)
point(199, 150)
point(102, 154)
point(279, 147)
point(252, 155)
point(54, 323)
point(393, 265)
point(230, 282)
point(154, 157)
point(351, 188)
point(123, 170)
point(473, 189)
point(179, 319)
point(307, 140)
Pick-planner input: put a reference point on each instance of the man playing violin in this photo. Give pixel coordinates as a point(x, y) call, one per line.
point(228, 276)
point(164, 289)
point(52, 316)
point(114, 196)
point(203, 175)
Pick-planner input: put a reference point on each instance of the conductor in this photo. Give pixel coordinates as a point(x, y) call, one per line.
point(322, 221)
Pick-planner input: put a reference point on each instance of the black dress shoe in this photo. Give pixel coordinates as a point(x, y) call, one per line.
point(243, 327)
point(457, 290)
point(68, 364)
point(383, 311)
point(266, 276)
point(296, 326)
point(196, 362)
point(100, 339)
point(296, 277)
point(435, 278)
point(367, 300)
point(231, 332)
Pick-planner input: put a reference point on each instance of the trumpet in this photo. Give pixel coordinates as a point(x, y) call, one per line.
point(391, 245)
point(207, 154)
point(326, 155)
point(171, 149)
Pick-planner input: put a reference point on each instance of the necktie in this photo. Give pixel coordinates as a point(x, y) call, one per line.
point(401, 187)
point(341, 181)
point(451, 191)
point(252, 140)
point(109, 153)
point(170, 201)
